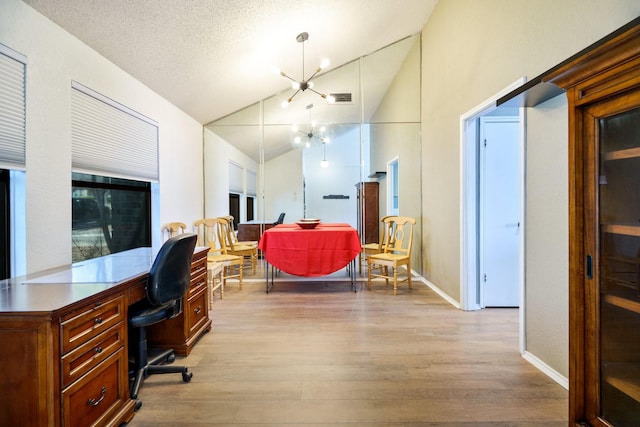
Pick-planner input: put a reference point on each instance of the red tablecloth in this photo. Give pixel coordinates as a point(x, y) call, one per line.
point(315, 252)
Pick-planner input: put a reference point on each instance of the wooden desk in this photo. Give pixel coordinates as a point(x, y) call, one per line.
point(64, 333)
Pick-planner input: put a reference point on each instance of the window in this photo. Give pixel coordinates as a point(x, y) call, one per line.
point(5, 254)
point(109, 215)
point(234, 208)
point(250, 208)
point(252, 185)
point(115, 161)
point(12, 155)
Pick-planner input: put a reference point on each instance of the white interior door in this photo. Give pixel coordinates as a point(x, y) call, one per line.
point(499, 211)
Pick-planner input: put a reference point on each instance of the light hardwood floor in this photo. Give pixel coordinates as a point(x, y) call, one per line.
point(317, 354)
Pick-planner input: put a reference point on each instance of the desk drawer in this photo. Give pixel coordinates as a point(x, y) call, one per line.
point(90, 321)
point(97, 396)
point(81, 360)
point(196, 311)
point(197, 282)
point(199, 266)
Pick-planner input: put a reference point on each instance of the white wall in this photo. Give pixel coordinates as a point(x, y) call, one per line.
point(54, 59)
point(470, 51)
point(547, 232)
point(402, 141)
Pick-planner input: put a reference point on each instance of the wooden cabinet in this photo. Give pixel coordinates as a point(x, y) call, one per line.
point(368, 211)
point(252, 231)
point(603, 91)
point(182, 332)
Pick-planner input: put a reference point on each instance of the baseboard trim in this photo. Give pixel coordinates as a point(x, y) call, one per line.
point(437, 290)
point(546, 369)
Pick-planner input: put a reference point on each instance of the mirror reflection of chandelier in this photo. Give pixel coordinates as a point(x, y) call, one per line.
point(304, 84)
point(314, 132)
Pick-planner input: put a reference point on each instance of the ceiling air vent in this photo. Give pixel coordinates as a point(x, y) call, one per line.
point(342, 98)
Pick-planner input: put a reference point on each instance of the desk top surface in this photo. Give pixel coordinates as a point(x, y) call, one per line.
point(59, 287)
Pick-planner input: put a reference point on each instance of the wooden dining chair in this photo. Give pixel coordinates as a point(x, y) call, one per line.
point(220, 263)
point(396, 252)
point(172, 229)
point(249, 252)
point(234, 236)
point(374, 247)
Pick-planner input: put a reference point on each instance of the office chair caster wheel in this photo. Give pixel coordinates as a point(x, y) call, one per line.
point(138, 405)
point(186, 376)
point(171, 358)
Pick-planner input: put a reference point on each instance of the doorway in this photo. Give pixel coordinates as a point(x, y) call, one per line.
point(393, 196)
point(473, 235)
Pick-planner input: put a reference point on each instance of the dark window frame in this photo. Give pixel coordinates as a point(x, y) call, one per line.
point(5, 225)
point(234, 208)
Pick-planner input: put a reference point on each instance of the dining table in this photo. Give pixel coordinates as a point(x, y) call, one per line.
point(310, 252)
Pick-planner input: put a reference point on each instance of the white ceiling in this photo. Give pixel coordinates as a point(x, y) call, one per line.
point(214, 57)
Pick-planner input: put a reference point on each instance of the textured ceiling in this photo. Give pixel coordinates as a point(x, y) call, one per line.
point(213, 57)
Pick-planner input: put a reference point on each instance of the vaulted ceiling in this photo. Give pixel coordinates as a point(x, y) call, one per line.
point(211, 58)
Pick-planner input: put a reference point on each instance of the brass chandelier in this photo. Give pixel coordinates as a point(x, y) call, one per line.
point(304, 84)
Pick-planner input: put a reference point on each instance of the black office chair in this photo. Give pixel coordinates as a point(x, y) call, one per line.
point(167, 284)
point(280, 219)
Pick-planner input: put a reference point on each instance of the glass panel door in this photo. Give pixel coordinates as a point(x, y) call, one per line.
point(619, 266)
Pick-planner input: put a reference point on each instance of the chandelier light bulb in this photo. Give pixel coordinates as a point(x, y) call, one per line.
point(324, 164)
point(285, 104)
point(331, 99)
point(305, 83)
point(297, 139)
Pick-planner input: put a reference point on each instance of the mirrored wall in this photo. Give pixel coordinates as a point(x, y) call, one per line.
point(309, 158)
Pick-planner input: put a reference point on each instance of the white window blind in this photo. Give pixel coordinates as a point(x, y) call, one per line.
point(110, 139)
point(235, 178)
point(12, 109)
point(252, 183)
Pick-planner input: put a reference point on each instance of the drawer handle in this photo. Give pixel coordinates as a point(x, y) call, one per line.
point(98, 320)
point(98, 350)
point(94, 402)
point(198, 310)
